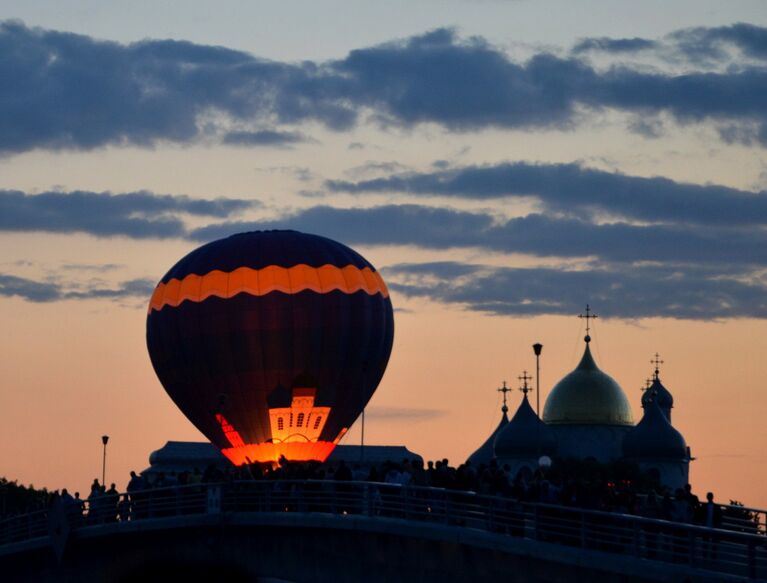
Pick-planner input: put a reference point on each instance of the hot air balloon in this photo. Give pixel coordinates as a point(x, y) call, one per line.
point(271, 342)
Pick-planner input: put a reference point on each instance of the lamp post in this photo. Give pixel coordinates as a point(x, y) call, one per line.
point(104, 440)
point(537, 347)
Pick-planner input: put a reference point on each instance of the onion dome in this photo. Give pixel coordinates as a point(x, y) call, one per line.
point(484, 454)
point(587, 396)
point(654, 437)
point(656, 391)
point(525, 435)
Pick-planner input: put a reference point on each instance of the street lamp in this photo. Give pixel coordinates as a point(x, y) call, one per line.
point(104, 440)
point(537, 347)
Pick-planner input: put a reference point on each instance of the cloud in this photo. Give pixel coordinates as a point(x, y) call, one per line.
point(135, 214)
point(538, 235)
point(385, 225)
point(631, 270)
point(696, 45)
point(51, 291)
point(620, 291)
point(264, 138)
point(460, 84)
point(577, 190)
point(34, 291)
point(135, 288)
point(680, 270)
point(72, 91)
point(372, 168)
point(749, 39)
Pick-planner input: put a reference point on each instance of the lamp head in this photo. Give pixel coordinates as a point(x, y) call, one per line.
point(537, 347)
point(104, 439)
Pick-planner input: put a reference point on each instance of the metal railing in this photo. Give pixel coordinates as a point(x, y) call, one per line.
point(739, 548)
point(744, 519)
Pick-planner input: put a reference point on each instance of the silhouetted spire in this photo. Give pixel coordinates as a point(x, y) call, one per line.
point(485, 453)
point(655, 391)
point(504, 389)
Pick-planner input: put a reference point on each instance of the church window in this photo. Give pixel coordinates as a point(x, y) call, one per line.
point(291, 419)
point(300, 420)
point(280, 424)
point(317, 422)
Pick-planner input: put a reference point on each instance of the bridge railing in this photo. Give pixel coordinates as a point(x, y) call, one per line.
point(740, 551)
point(744, 519)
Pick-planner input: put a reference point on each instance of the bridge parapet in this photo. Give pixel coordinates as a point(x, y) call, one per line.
point(739, 553)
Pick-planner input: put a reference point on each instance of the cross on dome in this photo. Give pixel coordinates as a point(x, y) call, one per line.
point(524, 377)
point(504, 389)
point(588, 316)
point(657, 362)
point(647, 386)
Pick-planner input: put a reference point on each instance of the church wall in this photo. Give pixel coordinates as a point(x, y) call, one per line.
point(672, 474)
point(602, 442)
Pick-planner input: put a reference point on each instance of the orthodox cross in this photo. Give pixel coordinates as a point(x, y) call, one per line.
point(524, 377)
point(647, 385)
point(589, 316)
point(657, 362)
point(504, 389)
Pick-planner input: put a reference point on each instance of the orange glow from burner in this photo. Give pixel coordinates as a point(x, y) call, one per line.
point(295, 447)
point(271, 452)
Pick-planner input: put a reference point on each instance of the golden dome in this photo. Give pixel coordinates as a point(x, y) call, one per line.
point(587, 396)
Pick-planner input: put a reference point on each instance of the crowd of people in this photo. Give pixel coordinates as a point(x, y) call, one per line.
point(621, 496)
point(547, 487)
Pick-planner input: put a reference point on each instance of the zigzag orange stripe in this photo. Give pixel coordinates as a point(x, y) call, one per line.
point(259, 282)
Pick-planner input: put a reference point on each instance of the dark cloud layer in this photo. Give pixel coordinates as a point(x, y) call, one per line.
point(620, 291)
point(62, 90)
point(574, 189)
point(134, 214)
point(632, 271)
point(538, 235)
point(49, 291)
point(386, 225)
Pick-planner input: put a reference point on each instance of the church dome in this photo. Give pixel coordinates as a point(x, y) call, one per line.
point(662, 395)
point(525, 435)
point(654, 437)
point(587, 396)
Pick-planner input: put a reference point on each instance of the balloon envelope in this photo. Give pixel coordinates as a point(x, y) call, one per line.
point(271, 342)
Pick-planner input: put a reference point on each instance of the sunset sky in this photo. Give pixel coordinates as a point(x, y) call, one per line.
point(502, 163)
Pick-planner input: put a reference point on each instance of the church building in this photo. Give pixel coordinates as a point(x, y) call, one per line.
point(588, 416)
